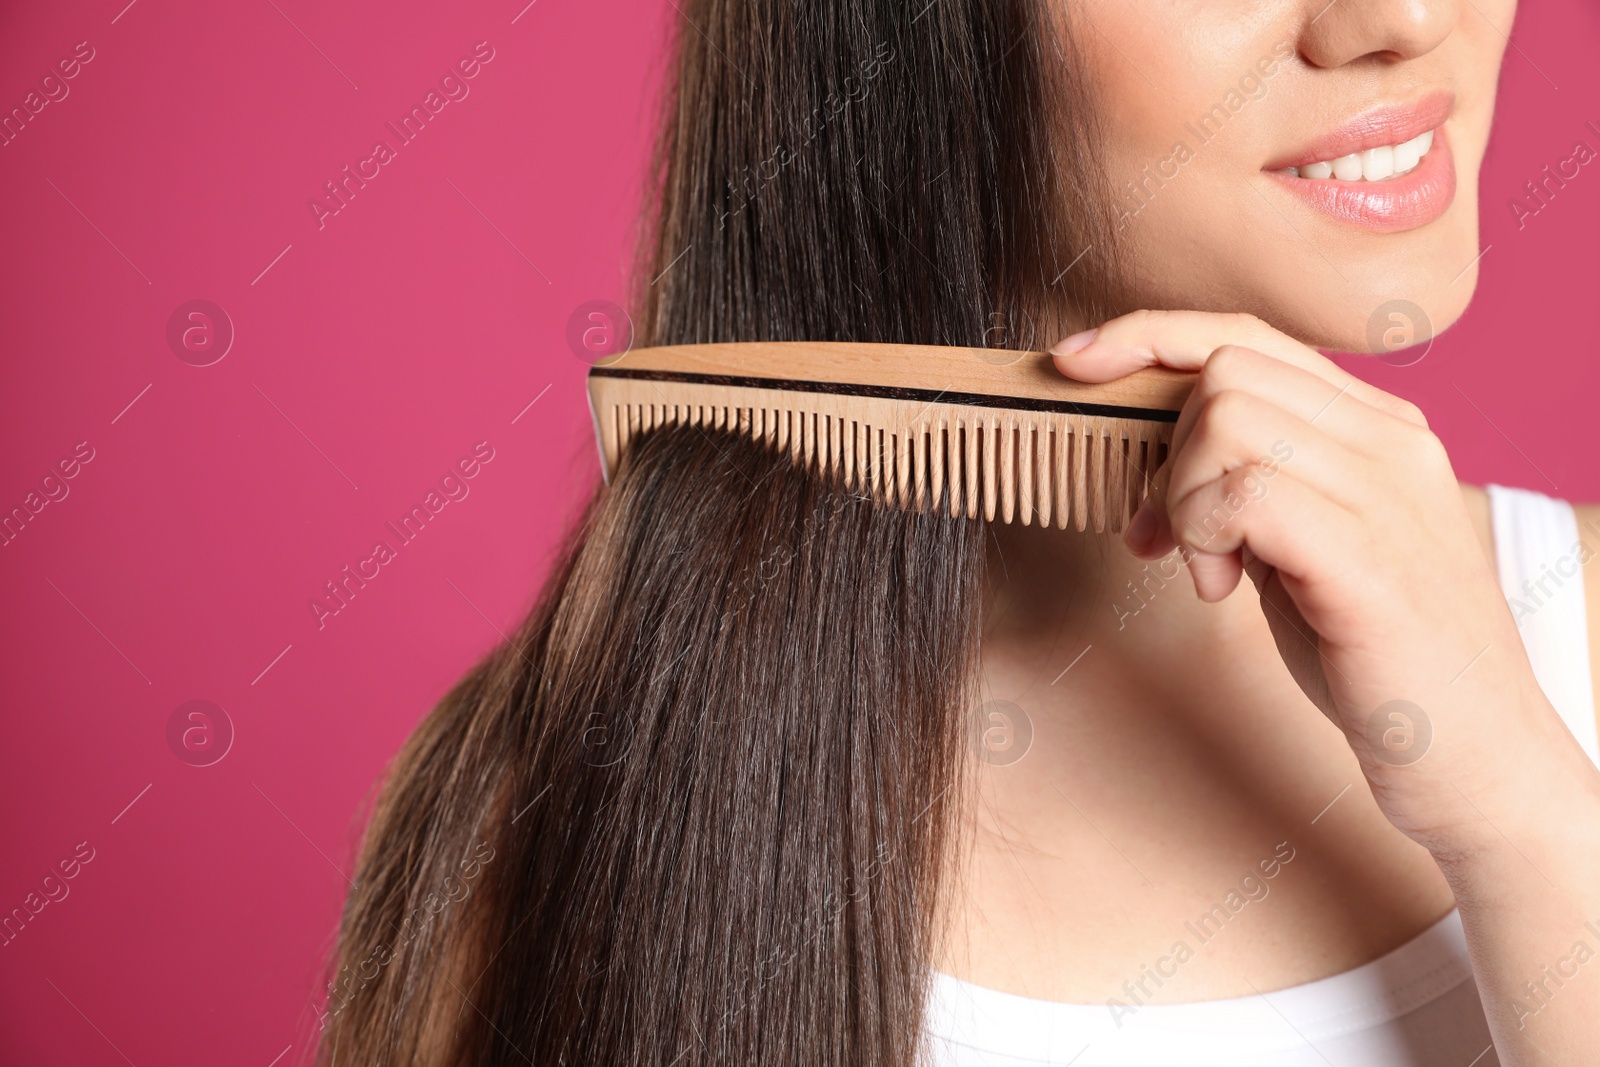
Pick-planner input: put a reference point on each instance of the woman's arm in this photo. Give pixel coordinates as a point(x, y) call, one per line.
point(1341, 506)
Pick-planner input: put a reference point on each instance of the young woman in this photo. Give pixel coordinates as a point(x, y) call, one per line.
point(1326, 799)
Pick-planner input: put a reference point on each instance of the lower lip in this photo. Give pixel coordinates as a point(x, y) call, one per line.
point(1391, 206)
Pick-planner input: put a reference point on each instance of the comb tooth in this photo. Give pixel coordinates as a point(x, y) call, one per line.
point(936, 462)
point(885, 476)
point(1053, 472)
point(991, 445)
point(822, 441)
point(950, 452)
point(1045, 449)
point(877, 456)
point(1136, 497)
point(893, 480)
point(831, 450)
point(1080, 476)
point(869, 465)
point(1117, 502)
point(850, 456)
point(817, 425)
point(884, 457)
point(872, 463)
point(821, 435)
point(1059, 458)
point(866, 460)
point(969, 466)
point(1099, 457)
point(919, 469)
point(1025, 467)
point(890, 457)
point(836, 441)
point(1006, 432)
point(905, 461)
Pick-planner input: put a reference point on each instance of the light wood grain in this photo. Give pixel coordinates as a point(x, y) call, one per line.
point(993, 462)
point(990, 371)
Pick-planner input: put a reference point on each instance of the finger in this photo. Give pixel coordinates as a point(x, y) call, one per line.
point(1359, 426)
point(1215, 574)
point(1185, 340)
point(1236, 429)
point(1292, 526)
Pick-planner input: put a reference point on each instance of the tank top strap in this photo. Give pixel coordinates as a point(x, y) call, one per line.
point(1540, 554)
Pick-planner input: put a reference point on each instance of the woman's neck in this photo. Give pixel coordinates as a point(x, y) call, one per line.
point(1153, 748)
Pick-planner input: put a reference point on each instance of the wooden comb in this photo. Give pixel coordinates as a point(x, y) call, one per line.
point(1001, 430)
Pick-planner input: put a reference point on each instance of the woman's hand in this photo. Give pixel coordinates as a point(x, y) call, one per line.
point(1341, 506)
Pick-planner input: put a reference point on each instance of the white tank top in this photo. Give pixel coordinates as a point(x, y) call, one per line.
point(1415, 1007)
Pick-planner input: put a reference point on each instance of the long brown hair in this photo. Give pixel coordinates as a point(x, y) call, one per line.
point(699, 808)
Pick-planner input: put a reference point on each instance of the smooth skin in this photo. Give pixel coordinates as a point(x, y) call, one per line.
point(1189, 728)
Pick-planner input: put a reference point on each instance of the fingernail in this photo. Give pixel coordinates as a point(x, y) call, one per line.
point(1076, 343)
point(1142, 530)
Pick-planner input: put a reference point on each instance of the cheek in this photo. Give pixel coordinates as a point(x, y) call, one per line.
point(1182, 137)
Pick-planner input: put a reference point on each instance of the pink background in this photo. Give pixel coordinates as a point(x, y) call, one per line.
point(370, 355)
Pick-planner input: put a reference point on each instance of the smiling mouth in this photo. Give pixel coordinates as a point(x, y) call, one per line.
point(1380, 164)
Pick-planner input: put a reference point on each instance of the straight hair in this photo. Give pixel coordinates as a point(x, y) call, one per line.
point(701, 806)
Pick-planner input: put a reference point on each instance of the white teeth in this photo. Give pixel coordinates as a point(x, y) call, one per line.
point(1373, 165)
point(1377, 163)
point(1407, 155)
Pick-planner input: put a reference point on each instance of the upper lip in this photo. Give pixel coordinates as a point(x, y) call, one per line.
point(1382, 124)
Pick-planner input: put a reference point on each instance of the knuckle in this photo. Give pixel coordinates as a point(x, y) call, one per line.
point(1226, 363)
point(1227, 406)
point(1243, 480)
point(1410, 412)
point(1421, 445)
